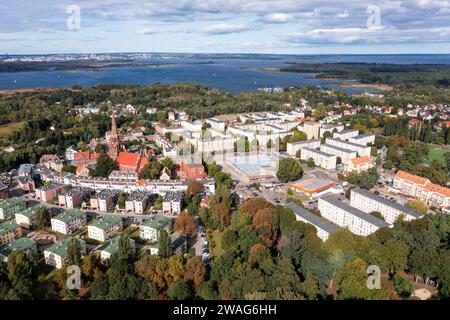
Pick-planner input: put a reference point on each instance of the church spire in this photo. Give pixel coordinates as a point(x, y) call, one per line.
point(112, 139)
point(113, 124)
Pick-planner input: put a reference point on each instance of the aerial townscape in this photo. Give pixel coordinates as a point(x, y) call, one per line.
point(186, 153)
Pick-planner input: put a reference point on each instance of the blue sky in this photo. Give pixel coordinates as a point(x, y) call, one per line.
point(257, 26)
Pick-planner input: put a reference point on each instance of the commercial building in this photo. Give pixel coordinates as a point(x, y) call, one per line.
point(9, 231)
point(390, 210)
point(172, 202)
point(321, 159)
point(110, 247)
point(344, 154)
point(361, 150)
point(314, 187)
point(346, 134)
point(339, 212)
point(323, 227)
point(105, 228)
point(137, 202)
point(56, 255)
point(150, 229)
point(24, 245)
point(69, 221)
point(422, 189)
point(11, 206)
point(293, 147)
point(363, 139)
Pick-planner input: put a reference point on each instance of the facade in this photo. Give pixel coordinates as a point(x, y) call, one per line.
point(346, 216)
point(346, 134)
point(361, 150)
point(311, 129)
point(11, 206)
point(331, 128)
point(344, 154)
point(323, 227)
point(358, 164)
point(137, 202)
point(110, 247)
point(73, 197)
point(104, 200)
point(24, 245)
point(321, 159)
point(69, 221)
point(56, 255)
point(9, 231)
point(27, 217)
point(105, 228)
point(363, 139)
point(293, 147)
point(390, 210)
point(150, 229)
point(172, 202)
point(48, 193)
point(422, 189)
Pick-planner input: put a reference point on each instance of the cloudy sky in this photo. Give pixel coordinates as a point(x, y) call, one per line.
point(263, 26)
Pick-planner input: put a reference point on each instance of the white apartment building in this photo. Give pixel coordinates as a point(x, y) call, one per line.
point(150, 229)
point(191, 126)
point(27, 217)
point(69, 221)
point(137, 202)
point(331, 128)
point(346, 216)
point(105, 228)
point(344, 154)
point(216, 144)
point(390, 210)
point(361, 150)
point(216, 124)
point(346, 134)
point(323, 227)
point(363, 139)
point(110, 247)
point(321, 159)
point(311, 129)
point(293, 147)
point(236, 131)
point(172, 202)
point(56, 255)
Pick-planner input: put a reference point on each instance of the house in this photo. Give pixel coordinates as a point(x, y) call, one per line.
point(69, 221)
point(24, 245)
point(26, 170)
point(191, 171)
point(82, 170)
point(9, 207)
point(137, 202)
point(26, 183)
point(172, 202)
point(358, 164)
point(105, 228)
point(165, 174)
point(150, 229)
point(9, 231)
point(56, 255)
point(70, 153)
point(110, 247)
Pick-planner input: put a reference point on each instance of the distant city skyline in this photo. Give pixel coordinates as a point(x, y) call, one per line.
point(225, 26)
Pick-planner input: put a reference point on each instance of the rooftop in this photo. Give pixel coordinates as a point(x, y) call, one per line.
point(69, 215)
point(158, 222)
point(112, 245)
point(8, 226)
point(338, 148)
point(30, 212)
point(320, 152)
point(138, 196)
point(312, 185)
point(11, 202)
point(21, 244)
point(60, 248)
point(312, 218)
point(337, 202)
point(345, 142)
point(173, 196)
point(361, 136)
point(106, 221)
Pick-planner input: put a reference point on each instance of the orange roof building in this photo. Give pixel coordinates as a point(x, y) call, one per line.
point(84, 158)
point(191, 171)
point(358, 164)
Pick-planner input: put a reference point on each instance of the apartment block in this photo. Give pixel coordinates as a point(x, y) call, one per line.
point(390, 210)
point(363, 139)
point(344, 154)
point(27, 217)
point(137, 202)
point(110, 247)
point(104, 200)
point(331, 128)
point(105, 228)
point(361, 150)
point(321, 159)
point(48, 193)
point(312, 130)
point(73, 197)
point(11, 206)
point(150, 229)
point(346, 216)
point(56, 255)
point(69, 221)
point(172, 202)
point(346, 134)
point(293, 147)
point(9, 231)
point(24, 245)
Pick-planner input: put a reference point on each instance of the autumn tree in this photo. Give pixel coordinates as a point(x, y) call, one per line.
point(185, 224)
point(195, 272)
point(194, 188)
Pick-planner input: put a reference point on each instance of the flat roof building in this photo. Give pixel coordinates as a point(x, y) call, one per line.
point(22, 244)
point(321, 159)
point(105, 228)
point(150, 229)
point(56, 255)
point(9, 231)
point(11, 206)
point(69, 221)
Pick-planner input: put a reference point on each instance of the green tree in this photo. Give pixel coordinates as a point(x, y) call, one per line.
point(74, 252)
point(43, 217)
point(105, 165)
point(289, 170)
point(417, 205)
point(179, 291)
point(164, 244)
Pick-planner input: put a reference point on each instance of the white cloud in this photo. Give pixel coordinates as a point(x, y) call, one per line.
point(277, 18)
point(343, 14)
point(146, 31)
point(224, 28)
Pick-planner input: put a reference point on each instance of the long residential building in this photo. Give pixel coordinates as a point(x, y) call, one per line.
point(321, 159)
point(69, 221)
point(344, 154)
point(390, 210)
point(27, 218)
point(105, 228)
point(11, 206)
point(344, 215)
point(363, 139)
point(422, 189)
point(362, 150)
point(9, 231)
point(323, 227)
point(293, 147)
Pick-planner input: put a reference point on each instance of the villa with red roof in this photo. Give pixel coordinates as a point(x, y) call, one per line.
point(358, 164)
point(422, 189)
point(191, 171)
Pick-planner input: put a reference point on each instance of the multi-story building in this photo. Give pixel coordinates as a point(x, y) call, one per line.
point(361, 150)
point(48, 192)
point(24, 245)
point(150, 229)
point(390, 210)
point(137, 202)
point(293, 147)
point(331, 128)
point(363, 139)
point(110, 247)
point(69, 221)
point(422, 189)
point(346, 134)
point(323, 227)
point(27, 217)
point(172, 202)
point(4, 191)
point(358, 164)
point(216, 124)
point(9, 231)
point(73, 197)
point(344, 154)
point(105, 228)
point(10, 207)
point(312, 130)
point(104, 200)
point(346, 216)
point(56, 255)
point(321, 159)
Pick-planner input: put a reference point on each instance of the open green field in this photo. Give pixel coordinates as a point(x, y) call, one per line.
point(437, 154)
point(6, 130)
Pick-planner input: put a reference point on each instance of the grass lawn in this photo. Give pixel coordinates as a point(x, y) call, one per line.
point(6, 130)
point(437, 154)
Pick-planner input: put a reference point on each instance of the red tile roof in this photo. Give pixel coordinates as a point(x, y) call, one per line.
point(410, 177)
point(361, 160)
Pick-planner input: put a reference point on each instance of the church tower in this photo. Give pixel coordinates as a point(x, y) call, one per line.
point(112, 139)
